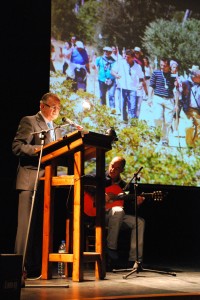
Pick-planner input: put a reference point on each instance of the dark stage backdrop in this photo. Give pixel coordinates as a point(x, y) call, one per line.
point(172, 226)
point(25, 48)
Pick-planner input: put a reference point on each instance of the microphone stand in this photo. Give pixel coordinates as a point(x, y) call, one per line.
point(137, 267)
point(42, 136)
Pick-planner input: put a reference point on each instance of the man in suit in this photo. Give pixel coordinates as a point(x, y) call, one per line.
point(25, 144)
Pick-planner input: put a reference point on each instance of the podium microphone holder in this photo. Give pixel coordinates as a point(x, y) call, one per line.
point(137, 267)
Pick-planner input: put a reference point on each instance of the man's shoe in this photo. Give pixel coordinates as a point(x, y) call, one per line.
point(112, 254)
point(22, 282)
point(33, 274)
point(24, 276)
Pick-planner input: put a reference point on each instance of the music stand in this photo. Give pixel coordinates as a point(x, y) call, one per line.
point(137, 267)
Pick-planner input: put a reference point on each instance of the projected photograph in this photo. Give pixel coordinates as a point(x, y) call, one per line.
point(132, 68)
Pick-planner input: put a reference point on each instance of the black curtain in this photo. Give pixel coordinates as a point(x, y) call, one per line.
point(25, 56)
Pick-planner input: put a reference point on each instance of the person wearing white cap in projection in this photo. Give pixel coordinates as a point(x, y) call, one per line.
point(106, 79)
point(138, 57)
point(79, 66)
point(174, 67)
point(194, 68)
point(131, 82)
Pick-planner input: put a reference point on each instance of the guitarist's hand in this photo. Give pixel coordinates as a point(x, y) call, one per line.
point(140, 200)
point(110, 197)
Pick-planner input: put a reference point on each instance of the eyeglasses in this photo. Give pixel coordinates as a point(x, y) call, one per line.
point(53, 107)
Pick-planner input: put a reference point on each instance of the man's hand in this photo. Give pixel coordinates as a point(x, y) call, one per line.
point(79, 127)
point(110, 197)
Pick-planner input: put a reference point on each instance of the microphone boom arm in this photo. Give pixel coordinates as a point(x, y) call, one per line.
point(135, 175)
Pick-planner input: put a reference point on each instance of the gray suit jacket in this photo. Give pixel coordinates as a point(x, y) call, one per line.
point(24, 145)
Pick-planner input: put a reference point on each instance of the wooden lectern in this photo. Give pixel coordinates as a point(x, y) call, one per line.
point(76, 148)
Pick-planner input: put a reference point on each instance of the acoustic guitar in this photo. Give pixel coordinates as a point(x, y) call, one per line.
point(89, 200)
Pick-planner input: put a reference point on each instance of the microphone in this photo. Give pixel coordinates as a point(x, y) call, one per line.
point(112, 133)
point(70, 122)
point(135, 174)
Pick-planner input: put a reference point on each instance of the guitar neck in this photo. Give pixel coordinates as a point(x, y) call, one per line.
point(156, 196)
point(146, 194)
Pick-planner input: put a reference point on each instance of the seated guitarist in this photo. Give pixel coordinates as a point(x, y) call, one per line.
point(116, 218)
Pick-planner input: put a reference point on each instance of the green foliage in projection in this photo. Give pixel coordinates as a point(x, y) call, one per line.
point(137, 141)
point(173, 39)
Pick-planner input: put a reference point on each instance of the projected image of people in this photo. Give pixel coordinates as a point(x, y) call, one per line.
point(133, 77)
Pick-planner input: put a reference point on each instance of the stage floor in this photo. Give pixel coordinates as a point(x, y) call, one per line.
point(184, 284)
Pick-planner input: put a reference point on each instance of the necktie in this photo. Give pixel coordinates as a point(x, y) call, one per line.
point(52, 133)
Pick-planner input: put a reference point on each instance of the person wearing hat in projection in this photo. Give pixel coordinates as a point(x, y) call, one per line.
point(106, 79)
point(194, 68)
point(138, 57)
point(131, 81)
point(191, 105)
point(142, 93)
point(79, 67)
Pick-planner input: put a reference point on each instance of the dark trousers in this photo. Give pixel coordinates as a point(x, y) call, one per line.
point(33, 251)
point(104, 88)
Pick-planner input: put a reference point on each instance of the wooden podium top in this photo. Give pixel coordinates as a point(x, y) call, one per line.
point(76, 141)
